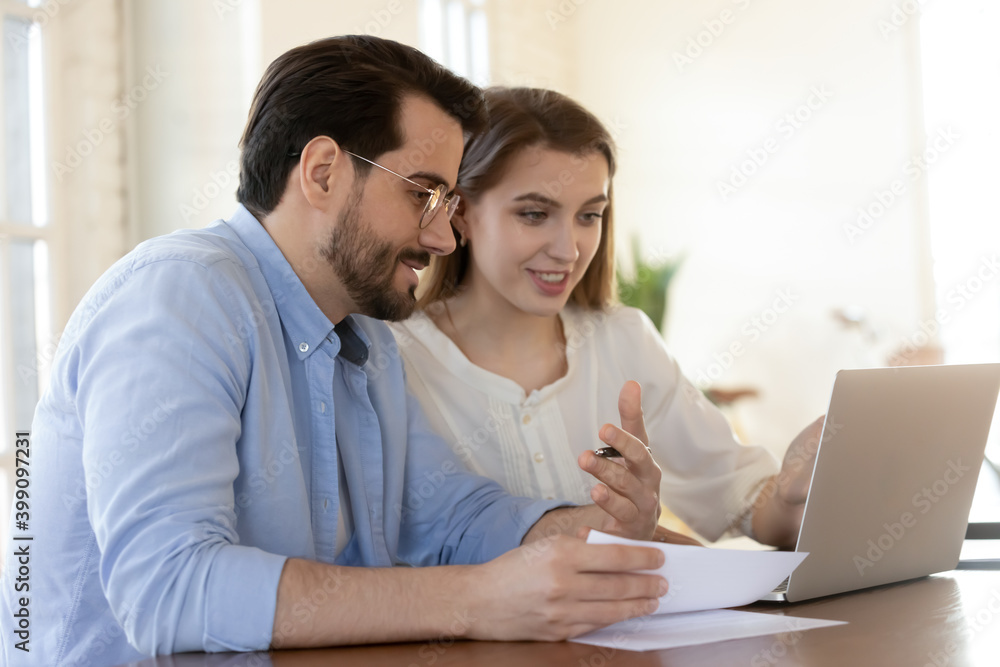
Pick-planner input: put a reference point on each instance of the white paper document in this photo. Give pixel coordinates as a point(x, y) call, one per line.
point(663, 631)
point(700, 578)
point(701, 581)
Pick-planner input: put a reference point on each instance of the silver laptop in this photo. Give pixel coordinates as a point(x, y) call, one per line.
point(894, 476)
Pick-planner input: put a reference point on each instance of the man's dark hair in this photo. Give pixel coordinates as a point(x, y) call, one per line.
point(350, 89)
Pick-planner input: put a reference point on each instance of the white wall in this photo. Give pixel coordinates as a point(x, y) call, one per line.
point(288, 23)
point(186, 61)
point(85, 143)
point(526, 51)
point(685, 124)
point(959, 53)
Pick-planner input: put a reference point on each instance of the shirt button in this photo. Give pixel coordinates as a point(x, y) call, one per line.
point(526, 419)
point(303, 347)
point(539, 457)
point(326, 503)
point(322, 406)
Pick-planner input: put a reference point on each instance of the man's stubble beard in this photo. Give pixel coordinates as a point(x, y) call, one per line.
point(366, 265)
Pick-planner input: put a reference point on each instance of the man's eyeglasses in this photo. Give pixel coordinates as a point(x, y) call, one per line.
point(438, 197)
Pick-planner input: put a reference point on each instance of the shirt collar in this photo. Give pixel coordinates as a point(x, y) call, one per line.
point(304, 322)
point(354, 342)
point(443, 349)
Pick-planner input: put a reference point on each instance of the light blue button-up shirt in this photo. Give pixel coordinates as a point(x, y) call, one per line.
point(188, 444)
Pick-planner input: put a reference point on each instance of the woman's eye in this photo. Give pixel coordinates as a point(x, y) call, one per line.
point(533, 216)
point(591, 218)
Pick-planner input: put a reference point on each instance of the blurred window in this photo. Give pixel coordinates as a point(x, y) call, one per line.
point(456, 34)
point(25, 233)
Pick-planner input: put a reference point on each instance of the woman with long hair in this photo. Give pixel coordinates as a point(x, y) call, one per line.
point(519, 352)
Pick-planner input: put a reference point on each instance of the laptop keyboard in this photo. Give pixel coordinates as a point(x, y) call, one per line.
point(782, 587)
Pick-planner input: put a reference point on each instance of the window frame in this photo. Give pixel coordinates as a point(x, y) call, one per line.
point(30, 231)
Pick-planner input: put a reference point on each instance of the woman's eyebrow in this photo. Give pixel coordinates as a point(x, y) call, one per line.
point(543, 199)
point(540, 198)
point(596, 199)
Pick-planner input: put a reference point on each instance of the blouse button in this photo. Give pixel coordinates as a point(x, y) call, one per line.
point(303, 347)
point(539, 457)
point(526, 419)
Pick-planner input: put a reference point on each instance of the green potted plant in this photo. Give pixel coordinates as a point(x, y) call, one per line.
point(646, 287)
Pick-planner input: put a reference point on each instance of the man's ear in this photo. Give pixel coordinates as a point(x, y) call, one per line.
point(321, 169)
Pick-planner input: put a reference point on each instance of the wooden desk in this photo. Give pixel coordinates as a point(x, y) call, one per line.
point(951, 619)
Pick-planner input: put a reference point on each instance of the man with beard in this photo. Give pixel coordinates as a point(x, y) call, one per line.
point(227, 458)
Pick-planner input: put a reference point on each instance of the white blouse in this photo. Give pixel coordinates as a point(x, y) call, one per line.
point(530, 443)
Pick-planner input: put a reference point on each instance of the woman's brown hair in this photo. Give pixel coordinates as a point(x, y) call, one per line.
point(520, 118)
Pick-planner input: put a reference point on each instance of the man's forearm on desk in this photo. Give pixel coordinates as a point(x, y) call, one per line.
point(332, 605)
point(564, 589)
